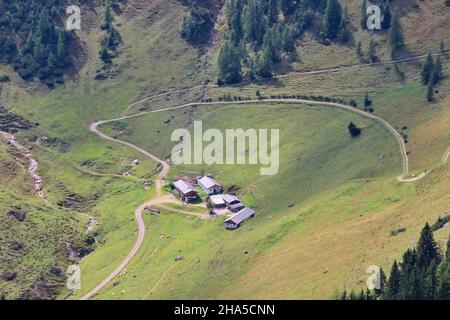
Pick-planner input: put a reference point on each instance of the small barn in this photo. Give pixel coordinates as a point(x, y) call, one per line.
point(230, 199)
point(237, 219)
point(209, 185)
point(233, 203)
point(236, 207)
point(186, 191)
point(216, 201)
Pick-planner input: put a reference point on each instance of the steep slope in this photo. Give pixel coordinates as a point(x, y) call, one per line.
point(320, 222)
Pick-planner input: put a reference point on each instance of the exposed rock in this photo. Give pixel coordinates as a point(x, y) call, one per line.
point(19, 215)
point(9, 276)
point(12, 123)
point(15, 245)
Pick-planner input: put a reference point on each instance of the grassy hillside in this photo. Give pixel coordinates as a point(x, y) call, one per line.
point(33, 234)
point(320, 222)
point(314, 143)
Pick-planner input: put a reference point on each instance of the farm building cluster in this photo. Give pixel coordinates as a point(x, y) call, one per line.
point(218, 202)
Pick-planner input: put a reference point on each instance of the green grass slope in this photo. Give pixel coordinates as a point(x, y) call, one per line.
point(345, 200)
point(33, 235)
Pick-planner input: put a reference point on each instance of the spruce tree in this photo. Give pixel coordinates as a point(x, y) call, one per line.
point(443, 276)
point(437, 71)
point(344, 33)
point(287, 40)
point(364, 15)
point(387, 17)
point(273, 11)
point(359, 50)
point(393, 284)
point(371, 52)
point(427, 248)
point(332, 19)
point(254, 23)
point(427, 69)
point(107, 16)
point(104, 54)
point(383, 283)
point(264, 64)
point(230, 70)
point(396, 38)
point(234, 18)
point(61, 49)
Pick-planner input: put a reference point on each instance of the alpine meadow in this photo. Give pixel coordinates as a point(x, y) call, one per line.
point(224, 150)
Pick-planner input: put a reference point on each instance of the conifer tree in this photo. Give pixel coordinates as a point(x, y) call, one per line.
point(61, 49)
point(254, 23)
point(107, 16)
point(344, 33)
point(371, 52)
point(364, 15)
point(393, 284)
point(234, 18)
point(359, 50)
point(230, 69)
point(264, 64)
point(443, 276)
point(427, 69)
point(396, 38)
point(332, 19)
point(287, 40)
point(273, 11)
point(427, 248)
point(437, 71)
point(387, 17)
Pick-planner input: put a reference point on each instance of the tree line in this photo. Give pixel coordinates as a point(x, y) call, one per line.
point(109, 44)
point(197, 26)
point(262, 34)
point(432, 73)
point(33, 39)
point(422, 274)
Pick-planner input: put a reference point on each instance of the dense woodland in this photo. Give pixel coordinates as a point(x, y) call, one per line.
point(33, 39)
point(111, 39)
point(423, 274)
point(263, 33)
point(197, 26)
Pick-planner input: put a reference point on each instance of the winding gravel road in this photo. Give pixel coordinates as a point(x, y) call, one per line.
point(159, 200)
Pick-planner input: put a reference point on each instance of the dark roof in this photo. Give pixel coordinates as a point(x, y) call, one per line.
point(229, 198)
point(184, 187)
point(236, 206)
point(241, 216)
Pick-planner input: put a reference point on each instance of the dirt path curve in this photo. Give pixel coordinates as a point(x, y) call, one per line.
point(159, 95)
point(138, 213)
point(359, 66)
point(266, 101)
point(166, 167)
